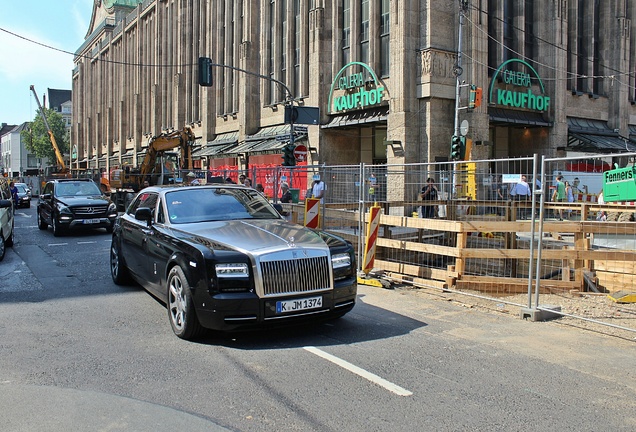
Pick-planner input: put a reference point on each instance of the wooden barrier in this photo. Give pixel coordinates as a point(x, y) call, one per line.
point(460, 244)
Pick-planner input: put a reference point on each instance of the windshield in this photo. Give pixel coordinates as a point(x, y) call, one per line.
point(217, 204)
point(84, 188)
point(21, 188)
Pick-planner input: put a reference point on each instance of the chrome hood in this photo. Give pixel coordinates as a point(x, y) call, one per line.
point(253, 235)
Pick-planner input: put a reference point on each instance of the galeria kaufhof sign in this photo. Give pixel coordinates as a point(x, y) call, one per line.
point(356, 86)
point(515, 88)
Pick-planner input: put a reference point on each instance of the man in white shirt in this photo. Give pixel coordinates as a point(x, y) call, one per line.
point(318, 189)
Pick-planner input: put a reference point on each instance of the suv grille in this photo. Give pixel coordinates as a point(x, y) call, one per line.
point(295, 276)
point(88, 211)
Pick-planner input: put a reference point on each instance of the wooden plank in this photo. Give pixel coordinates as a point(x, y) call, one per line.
point(509, 280)
point(628, 267)
point(513, 287)
point(426, 282)
point(416, 247)
point(615, 281)
point(411, 270)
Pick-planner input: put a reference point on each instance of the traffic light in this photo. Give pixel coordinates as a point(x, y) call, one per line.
point(288, 155)
point(205, 71)
point(474, 99)
point(478, 97)
point(458, 148)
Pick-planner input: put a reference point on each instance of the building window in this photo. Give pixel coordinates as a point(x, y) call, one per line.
point(272, 52)
point(346, 32)
point(364, 31)
point(298, 40)
point(384, 38)
point(284, 41)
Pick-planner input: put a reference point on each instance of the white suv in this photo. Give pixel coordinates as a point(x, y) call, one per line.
point(6, 217)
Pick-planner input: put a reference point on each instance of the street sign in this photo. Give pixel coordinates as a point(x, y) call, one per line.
point(282, 137)
point(302, 129)
point(302, 115)
point(300, 152)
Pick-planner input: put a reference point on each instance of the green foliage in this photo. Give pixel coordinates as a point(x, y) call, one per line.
point(36, 137)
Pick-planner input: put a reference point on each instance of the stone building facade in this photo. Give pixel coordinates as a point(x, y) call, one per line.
point(556, 76)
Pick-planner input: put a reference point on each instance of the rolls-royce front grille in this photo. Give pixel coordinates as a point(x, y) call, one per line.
point(88, 211)
point(295, 276)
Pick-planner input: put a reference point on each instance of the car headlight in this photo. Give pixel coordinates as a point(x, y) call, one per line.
point(231, 270)
point(340, 260)
point(112, 207)
point(65, 211)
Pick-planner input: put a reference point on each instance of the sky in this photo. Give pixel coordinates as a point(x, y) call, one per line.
point(60, 24)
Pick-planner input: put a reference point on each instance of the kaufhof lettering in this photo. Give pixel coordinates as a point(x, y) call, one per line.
point(523, 100)
point(359, 99)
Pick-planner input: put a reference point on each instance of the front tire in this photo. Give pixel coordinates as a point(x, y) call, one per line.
point(183, 317)
point(118, 270)
point(3, 247)
point(41, 222)
point(58, 231)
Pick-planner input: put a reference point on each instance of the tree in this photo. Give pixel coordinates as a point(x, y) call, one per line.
point(36, 137)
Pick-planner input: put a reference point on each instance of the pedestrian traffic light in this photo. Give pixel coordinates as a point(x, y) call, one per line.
point(458, 148)
point(478, 97)
point(474, 99)
point(288, 155)
point(205, 71)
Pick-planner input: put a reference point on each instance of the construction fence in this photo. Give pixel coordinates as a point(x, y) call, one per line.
point(492, 228)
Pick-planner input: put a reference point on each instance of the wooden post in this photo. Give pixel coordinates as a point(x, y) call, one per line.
point(462, 242)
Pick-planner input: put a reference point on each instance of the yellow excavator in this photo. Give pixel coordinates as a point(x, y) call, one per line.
point(160, 165)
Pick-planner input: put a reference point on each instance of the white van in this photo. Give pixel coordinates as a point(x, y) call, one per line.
point(6, 217)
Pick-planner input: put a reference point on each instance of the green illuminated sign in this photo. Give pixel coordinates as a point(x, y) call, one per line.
point(357, 90)
point(513, 98)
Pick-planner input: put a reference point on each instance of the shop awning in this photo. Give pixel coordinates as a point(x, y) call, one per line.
point(267, 140)
point(599, 143)
point(373, 115)
point(220, 144)
point(595, 136)
point(520, 118)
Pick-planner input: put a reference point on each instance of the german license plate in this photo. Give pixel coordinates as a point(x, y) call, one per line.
point(298, 305)
point(91, 221)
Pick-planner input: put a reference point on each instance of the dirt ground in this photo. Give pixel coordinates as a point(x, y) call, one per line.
point(589, 311)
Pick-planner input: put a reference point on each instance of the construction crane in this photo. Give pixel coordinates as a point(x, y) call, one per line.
point(61, 169)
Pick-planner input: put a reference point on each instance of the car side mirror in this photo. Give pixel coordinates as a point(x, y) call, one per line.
point(144, 214)
point(46, 196)
point(5, 203)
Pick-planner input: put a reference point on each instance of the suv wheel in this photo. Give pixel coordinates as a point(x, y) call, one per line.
point(57, 228)
point(3, 248)
point(41, 222)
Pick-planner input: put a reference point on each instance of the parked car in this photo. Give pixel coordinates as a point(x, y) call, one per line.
point(74, 203)
point(24, 195)
point(6, 217)
point(221, 257)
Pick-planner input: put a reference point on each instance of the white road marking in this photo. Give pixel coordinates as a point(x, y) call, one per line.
point(360, 372)
point(58, 244)
point(86, 242)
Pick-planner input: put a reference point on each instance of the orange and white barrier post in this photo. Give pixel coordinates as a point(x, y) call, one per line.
point(371, 239)
point(312, 213)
